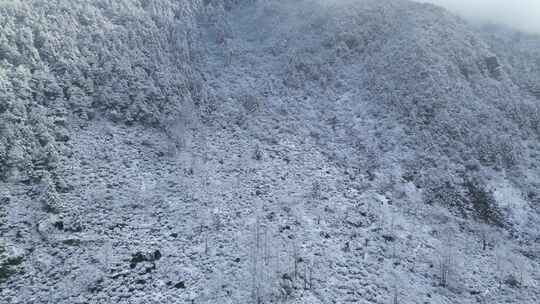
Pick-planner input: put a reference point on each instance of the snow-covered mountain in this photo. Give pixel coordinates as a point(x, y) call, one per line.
point(308, 151)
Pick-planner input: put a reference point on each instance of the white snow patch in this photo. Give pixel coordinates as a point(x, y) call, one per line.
point(510, 200)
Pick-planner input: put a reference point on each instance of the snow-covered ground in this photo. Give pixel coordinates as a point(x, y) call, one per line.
point(331, 160)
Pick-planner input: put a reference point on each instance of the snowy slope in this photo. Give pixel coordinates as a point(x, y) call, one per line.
point(310, 152)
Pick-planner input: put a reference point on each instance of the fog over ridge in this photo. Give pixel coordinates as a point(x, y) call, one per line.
point(523, 15)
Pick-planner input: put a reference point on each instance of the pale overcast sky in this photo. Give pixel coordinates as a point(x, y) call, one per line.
point(521, 14)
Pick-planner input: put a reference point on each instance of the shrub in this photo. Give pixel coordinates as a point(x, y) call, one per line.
point(483, 203)
point(8, 264)
point(444, 191)
point(512, 281)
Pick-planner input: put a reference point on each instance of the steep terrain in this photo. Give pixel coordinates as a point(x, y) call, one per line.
point(265, 152)
point(522, 55)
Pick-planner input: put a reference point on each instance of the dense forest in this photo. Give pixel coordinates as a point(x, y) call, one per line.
point(244, 151)
point(128, 61)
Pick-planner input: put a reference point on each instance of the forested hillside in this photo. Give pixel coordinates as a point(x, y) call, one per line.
point(521, 52)
point(128, 61)
point(244, 151)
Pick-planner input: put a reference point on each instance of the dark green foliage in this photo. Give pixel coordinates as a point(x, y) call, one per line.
point(8, 265)
point(140, 257)
point(512, 281)
point(483, 203)
point(5, 272)
point(496, 151)
point(494, 67)
point(465, 195)
point(446, 193)
point(535, 90)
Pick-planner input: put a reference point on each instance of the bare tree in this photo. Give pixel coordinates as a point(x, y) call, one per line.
point(446, 258)
point(256, 271)
point(483, 231)
point(502, 264)
point(263, 270)
point(395, 297)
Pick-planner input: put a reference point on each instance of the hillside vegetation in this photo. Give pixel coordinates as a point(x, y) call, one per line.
point(243, 151)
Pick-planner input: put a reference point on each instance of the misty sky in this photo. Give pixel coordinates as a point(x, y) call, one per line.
point(521, 14)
